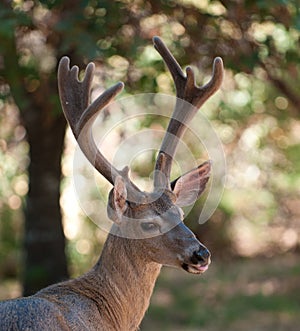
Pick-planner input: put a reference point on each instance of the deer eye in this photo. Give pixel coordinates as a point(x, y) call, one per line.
point(149, 226)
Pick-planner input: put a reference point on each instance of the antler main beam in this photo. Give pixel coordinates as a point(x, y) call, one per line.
point(187, 90)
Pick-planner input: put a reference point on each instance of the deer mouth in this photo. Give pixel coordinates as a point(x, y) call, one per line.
point(195, 268)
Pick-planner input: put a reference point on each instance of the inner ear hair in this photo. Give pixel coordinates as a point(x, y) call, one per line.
point(120, 197)
point(189, 186)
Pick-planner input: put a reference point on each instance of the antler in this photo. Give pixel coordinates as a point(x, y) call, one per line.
point(187, 90)
point(81, 114)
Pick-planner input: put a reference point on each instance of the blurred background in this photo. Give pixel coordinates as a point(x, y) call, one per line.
point(254, 235)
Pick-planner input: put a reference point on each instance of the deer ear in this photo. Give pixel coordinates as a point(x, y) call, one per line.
point(119, 196)
point(189, 186)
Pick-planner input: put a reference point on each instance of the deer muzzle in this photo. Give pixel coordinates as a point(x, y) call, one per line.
point(199, 261)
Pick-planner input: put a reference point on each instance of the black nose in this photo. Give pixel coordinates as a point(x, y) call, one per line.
point(202, 255)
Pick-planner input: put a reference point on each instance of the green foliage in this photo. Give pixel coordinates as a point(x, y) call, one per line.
point(292, 153)
point(10, 21)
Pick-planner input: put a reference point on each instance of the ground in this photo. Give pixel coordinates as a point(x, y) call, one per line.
point(261, 294)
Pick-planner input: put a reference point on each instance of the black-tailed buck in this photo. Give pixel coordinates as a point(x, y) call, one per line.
point(115, 293)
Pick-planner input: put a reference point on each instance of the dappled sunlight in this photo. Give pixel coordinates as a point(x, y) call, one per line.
point(72, 216)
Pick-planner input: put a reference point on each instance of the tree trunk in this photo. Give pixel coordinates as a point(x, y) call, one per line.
point(44, 242)
point(45, 261)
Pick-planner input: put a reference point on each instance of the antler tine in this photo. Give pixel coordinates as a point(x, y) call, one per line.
point(75, 100)
point(187, 90)
point(172, 64)
point(200, 94)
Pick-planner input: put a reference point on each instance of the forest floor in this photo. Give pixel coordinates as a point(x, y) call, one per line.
point(261, 294)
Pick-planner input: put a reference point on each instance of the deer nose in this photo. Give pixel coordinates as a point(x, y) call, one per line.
point(202, 256)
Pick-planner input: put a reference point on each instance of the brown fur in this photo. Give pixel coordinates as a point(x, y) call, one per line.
point(115, 294)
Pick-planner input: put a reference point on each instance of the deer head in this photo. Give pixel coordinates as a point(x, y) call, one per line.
point(155, 216)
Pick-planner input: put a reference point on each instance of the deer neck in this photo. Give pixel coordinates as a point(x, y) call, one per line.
point(126, 280)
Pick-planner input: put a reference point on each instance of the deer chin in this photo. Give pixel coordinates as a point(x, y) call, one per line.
point(195, 268)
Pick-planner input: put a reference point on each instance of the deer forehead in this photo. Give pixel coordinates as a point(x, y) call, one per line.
point(154, 204)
